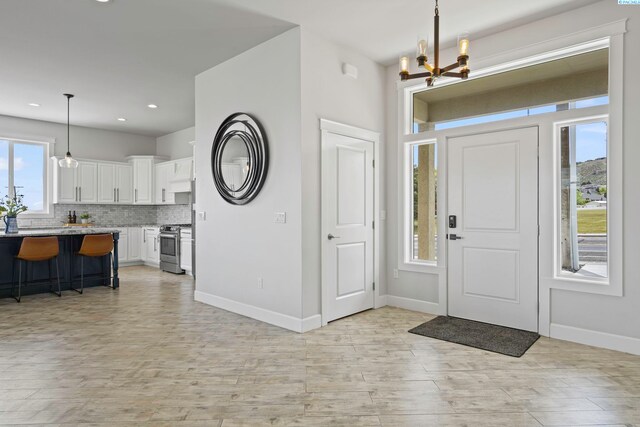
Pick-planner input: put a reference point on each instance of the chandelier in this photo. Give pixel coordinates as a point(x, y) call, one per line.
point(433, 70)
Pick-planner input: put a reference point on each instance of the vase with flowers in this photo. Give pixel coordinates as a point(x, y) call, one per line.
point(10, 208)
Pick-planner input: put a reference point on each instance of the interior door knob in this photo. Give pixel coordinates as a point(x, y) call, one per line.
point(331, 237)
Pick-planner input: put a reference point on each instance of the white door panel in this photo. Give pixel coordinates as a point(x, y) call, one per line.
point(347, 214)
point(493, 191)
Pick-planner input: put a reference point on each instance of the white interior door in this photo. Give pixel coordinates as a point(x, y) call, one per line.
point(493, 263)
point(347, 225)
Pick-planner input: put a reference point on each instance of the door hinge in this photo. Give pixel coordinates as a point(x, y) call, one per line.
point(374, 286)
point(538, 230)
point(373, 163)
point(373, 225)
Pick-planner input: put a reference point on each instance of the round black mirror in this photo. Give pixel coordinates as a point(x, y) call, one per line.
point(239, 158)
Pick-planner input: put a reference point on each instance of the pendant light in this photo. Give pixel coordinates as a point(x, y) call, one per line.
point(68, 161)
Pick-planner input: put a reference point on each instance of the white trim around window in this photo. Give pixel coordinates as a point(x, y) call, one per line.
point(48, 144)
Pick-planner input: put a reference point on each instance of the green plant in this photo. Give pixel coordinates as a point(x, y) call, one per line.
point(85, 215)
point(12, 206)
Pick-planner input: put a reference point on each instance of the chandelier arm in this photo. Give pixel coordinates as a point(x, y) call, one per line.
point(415, 76)
point(450, 67)
point(452, 74)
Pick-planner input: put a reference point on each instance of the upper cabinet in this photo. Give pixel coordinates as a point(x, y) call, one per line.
point(124, 184)
point(172, 177)
point(143, 178)
point(164, 172)
point(76, 185)
point(115, 183)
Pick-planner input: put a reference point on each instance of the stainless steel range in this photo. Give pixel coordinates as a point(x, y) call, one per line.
point(170, 248)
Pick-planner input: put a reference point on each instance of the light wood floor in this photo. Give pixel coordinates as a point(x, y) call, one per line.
point(147, 354)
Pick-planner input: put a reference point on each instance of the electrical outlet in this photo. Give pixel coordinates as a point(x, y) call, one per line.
point(260, 283)
point(280, 217)
point(395, 273)
point(202, 215)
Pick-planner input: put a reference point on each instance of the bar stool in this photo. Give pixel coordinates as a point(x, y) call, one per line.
point(37, 249)
point(94, 246)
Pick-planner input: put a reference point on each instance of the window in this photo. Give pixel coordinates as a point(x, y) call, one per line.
point(583, 103)
point(423, 213)
point(583, 198)
point(23, 170)
point(575, 81)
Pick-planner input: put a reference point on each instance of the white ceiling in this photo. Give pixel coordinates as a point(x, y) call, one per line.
point(118, 57)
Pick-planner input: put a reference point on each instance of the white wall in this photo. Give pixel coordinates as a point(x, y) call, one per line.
point(86, 143)
point(176, 145)
point(328, 94)
point(417, 286)
point(594, 313)
point(238, 244)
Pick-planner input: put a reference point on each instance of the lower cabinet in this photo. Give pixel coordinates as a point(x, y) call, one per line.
point(185, 251)
point(129, 245)
point(123, 246)
point(135, 243)
point(150, 246)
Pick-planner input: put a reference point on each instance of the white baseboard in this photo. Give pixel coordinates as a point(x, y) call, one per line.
point(311, 322)
point(381, 301)
point(414, 304)
point(595, 338)
point(278, 319)
point(129, 263)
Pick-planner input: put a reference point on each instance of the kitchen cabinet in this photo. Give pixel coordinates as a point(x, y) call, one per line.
point(123, 246)
point(87, 176)
point(164, 174)
point(151, 246)
point(135, 244)
point(114, 183)
point(106, 183)
point(185, 250)
point(143, 178)
point(75, 185)
point(171, 178)
point(124, 184)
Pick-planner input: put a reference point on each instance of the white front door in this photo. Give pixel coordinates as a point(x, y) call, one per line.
point(347, 225)
point(493, 261)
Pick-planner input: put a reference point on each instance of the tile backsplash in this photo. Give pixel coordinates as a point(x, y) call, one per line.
point(115, 215)
point(173, 214)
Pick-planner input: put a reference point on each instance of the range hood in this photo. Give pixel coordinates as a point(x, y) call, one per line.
point(181, 181)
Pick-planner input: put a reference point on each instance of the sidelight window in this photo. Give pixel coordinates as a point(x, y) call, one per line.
point(422, 230)
point(584, 198)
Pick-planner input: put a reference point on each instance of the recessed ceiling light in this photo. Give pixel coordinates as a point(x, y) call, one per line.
point(152, 106)
point(103, 1)
point(120, 119)
point(33, 104)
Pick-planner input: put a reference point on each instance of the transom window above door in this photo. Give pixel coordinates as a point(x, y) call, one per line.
point(577, 81)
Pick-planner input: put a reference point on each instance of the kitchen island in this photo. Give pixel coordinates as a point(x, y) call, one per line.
point(70, 240)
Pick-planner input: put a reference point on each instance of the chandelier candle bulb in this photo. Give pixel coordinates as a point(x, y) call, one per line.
point(423, 46)
point(404, 65)
point(463, 44)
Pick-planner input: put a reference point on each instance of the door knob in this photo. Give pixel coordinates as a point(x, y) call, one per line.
point(331, 237)
point(454, 237)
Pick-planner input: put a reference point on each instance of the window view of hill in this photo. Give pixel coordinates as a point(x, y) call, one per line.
point(592, 172)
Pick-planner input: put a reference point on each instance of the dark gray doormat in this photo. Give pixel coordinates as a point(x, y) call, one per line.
point(499, 339)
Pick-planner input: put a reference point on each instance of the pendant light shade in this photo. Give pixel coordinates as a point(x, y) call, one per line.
point(68, 161)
